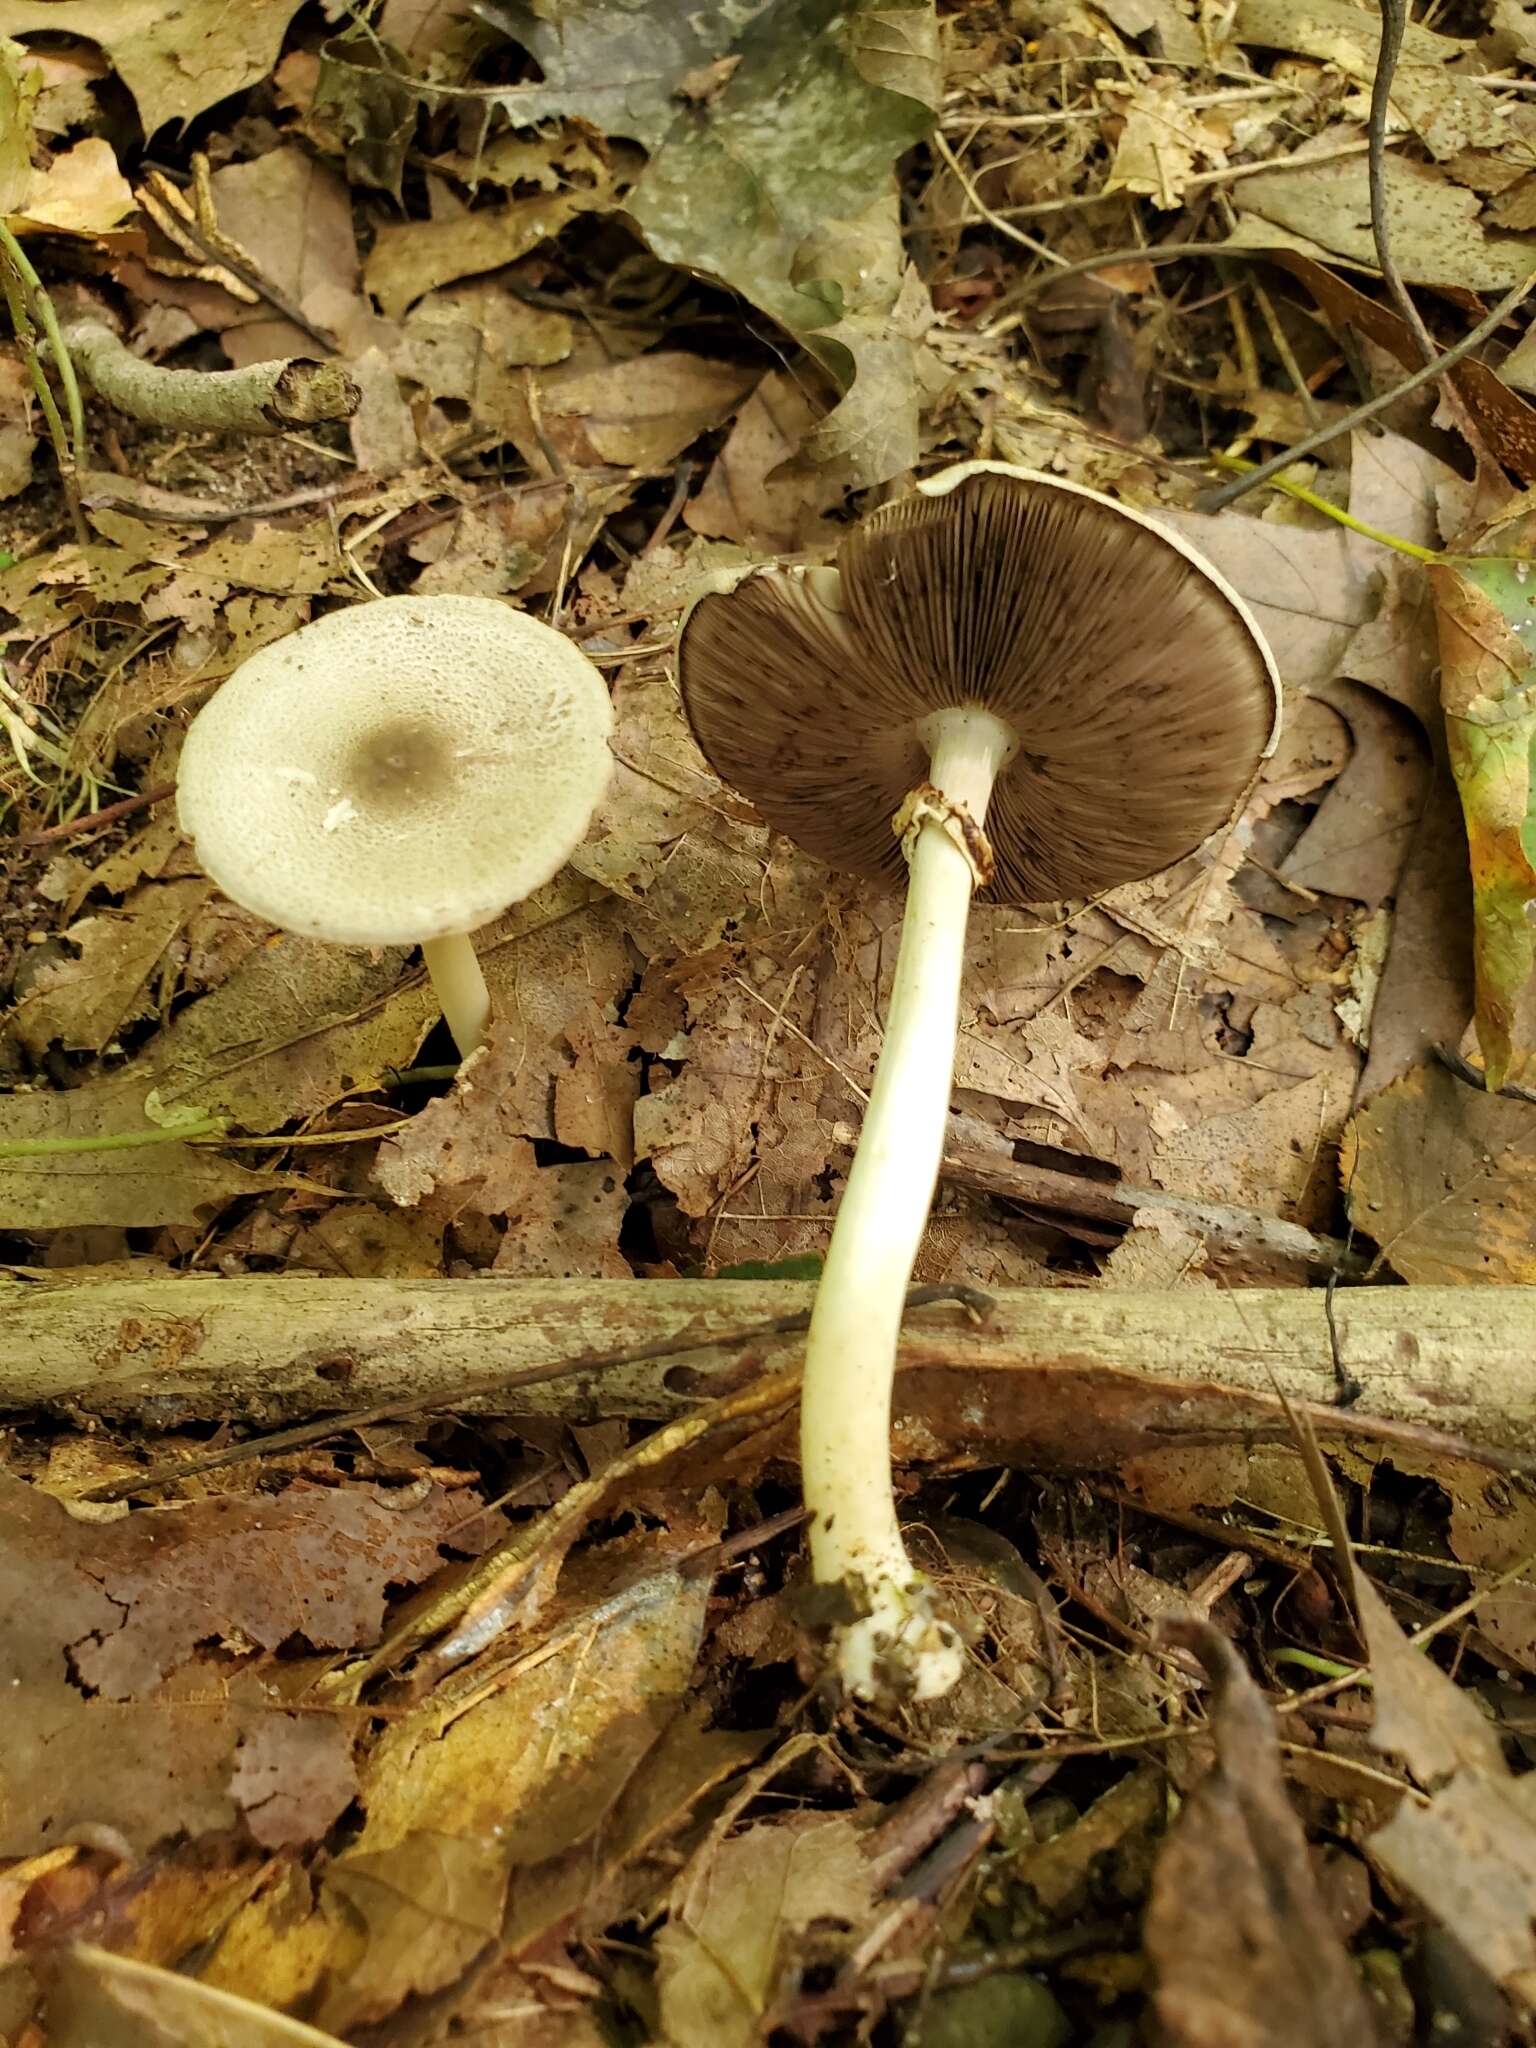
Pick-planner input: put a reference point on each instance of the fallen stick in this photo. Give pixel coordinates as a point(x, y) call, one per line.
point(1074, 1379)
point(1242, 1232)
point(263, 398)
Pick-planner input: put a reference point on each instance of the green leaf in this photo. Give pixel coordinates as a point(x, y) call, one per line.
point(802, 1266)
point(782, 187)
point(1485, 611)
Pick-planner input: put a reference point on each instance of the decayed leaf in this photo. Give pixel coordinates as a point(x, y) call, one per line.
point(1244, 1951)
point(733, 1914)
point(83, 1002)
point(470, 1151)
point(1443, 1177)
point(781, 187)
point(176, 61)
point(164, 1182)
point(1437, 237)
point(457, 1797)
point(1467, 1851)
point(1450, 110)
point(146, 1768)
point(97, 1997)
point(1162, 144)
point(312, 1562)
point(1485, 610)
point(293, 1776)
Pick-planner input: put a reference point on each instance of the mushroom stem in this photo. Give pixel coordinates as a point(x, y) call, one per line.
point(850, 1358)
point(455, 970)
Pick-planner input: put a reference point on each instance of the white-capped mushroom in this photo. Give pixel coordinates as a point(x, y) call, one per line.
point(398, 774)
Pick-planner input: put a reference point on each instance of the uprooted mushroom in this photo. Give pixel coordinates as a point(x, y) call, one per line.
point(399, 773)
point(1009, 683)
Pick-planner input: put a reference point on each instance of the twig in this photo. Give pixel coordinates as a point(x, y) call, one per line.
point(107, 815)
point(263, 398)
point(1394, 19)
point(1476, 1078)
point(1215, 501)
point(995, 220)
point(672, 1346)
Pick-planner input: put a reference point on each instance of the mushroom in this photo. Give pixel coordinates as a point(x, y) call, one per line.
point(1007, 682)
point(397, 774)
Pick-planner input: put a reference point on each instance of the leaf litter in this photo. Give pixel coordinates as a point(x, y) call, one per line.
point(633, 299)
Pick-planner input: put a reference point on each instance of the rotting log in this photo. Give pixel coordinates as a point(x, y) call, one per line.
point(1054, 1376)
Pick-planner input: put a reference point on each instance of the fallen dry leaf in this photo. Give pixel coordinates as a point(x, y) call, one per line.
point(293, 1777)
point(1162, 143)
point(176, 60)
point(1244, 1952)
point(97, 1997)
point(80, 192)
point(81, 1002)
point(733, 1914)
point(1467, 1851)
point(1443, 1176)
point(1450, 109)
point(1437, 237)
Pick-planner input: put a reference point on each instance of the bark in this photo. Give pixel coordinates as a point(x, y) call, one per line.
point(263, 398)
point(1074, 1379)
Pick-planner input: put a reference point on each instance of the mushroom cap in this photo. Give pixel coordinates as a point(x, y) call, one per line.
point(397, 771)
point(1136, 681)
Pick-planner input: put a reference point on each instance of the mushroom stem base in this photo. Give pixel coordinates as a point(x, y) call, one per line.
point(898, 1646)
point(454, 967)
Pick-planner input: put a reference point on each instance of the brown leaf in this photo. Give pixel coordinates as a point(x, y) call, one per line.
point(84, 1001)
point(98, 1997)
point(411, 258)
point(733, 1915)
point(82, 192)
point(314, 1562)
point(1436, 233)
point(176, 61)
point(642, 413)
point(1467, 1852)
point(293, 1776)
point(748, 495)
point(1443, 1177)
point(146, 1769)
point(1243, 1948)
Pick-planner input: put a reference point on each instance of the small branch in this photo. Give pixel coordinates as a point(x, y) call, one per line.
point(1394, 20)
point(1116, 1202)
point(264, 398)
point(1216, 501)
point(91, 821)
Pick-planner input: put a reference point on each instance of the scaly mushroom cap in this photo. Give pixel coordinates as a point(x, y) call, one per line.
point(1139, 687)
point(398, 771)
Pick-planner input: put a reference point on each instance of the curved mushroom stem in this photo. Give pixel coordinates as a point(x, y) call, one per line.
point(454, 967)
point(898, 1645)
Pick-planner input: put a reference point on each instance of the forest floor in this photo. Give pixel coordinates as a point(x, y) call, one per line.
point(362, 1692)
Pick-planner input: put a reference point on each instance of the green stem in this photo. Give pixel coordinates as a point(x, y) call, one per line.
point(1336, 512)
point(27, 299)
point(112, 1141)
point(1325, 1667)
